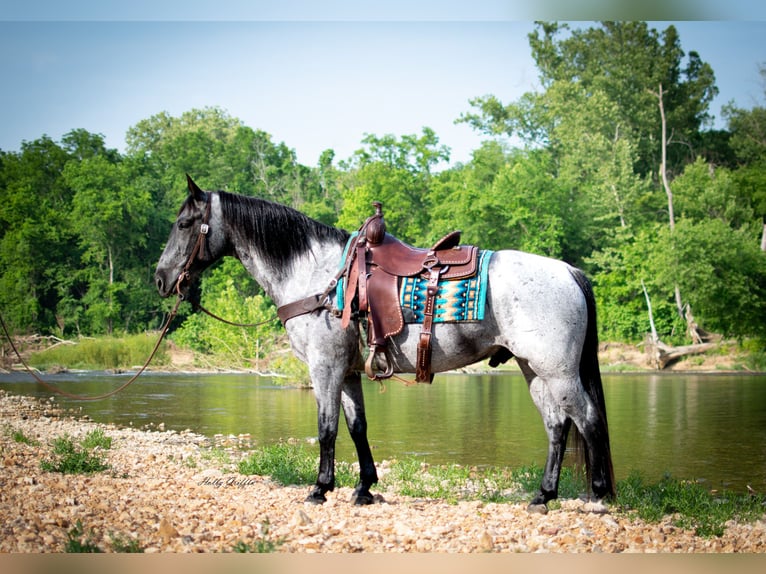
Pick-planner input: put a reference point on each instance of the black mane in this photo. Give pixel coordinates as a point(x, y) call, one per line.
point(280, 233)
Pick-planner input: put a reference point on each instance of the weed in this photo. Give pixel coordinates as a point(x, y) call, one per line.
point(96, 439)
point(78, 543)
point(71, 459)
point(262, 545)
point(102, 353)
point(125, 545)
point(690, 505)
point(290, 464)
point(19, 437)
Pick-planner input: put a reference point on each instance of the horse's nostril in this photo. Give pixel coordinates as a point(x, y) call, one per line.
point(160, 284)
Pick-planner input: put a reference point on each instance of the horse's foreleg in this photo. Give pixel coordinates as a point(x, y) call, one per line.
point(352, 401)
point(328, 407)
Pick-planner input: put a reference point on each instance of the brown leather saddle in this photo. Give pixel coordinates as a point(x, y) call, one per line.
point(375, 263)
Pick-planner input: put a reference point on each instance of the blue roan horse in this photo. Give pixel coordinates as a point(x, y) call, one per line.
point(539, 310)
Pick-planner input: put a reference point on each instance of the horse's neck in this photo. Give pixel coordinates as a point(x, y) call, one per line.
point(310, 273)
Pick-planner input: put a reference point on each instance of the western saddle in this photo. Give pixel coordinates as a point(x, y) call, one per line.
point(375, 263)
point(372, 271)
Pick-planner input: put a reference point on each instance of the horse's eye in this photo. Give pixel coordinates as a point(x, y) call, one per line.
point(184, 223)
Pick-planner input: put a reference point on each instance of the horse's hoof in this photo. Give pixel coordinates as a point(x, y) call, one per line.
point(362, 498)
point(537, 508)
point(316, 497)
point(595, 507)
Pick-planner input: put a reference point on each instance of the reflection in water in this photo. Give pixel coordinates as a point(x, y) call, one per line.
point(703, 427)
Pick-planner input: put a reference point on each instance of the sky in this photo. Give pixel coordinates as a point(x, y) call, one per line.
point(312, 79)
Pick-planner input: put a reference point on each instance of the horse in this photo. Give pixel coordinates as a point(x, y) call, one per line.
point(538, 310)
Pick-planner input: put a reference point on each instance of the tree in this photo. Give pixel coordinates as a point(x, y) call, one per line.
point(107, 215)
point(748, 140)
point(396, 172)
point(620, 60)
point(37, 247)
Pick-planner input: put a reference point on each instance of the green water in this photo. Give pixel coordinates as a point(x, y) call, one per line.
point(710, 428)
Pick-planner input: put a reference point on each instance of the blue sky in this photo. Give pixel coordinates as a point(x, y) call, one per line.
point(313, 83)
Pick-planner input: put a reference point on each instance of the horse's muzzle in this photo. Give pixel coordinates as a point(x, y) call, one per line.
point(164, 287)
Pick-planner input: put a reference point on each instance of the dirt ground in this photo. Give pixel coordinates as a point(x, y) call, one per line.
point(165, 493)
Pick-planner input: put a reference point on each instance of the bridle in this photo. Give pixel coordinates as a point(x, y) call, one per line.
point(200, 247)
point(198, 251)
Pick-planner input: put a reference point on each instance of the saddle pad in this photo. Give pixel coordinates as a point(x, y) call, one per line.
point(456, 300)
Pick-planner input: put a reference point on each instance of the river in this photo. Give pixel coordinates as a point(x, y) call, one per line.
point(705, 427)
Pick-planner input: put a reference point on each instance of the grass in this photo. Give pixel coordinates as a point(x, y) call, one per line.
point(688, 504)
point(18, 436)
point(290, 464)
point(87, 458)
point(80, 542)
point(261, 545)
point(102, 353)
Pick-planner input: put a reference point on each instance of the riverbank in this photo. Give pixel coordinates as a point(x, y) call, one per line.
point(170, 492)
point(52, 355)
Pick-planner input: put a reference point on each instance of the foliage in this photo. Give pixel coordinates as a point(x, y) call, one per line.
point(102, 353)
point(82, 225)
point(291, 464)
point(78, 542)
point(690, 504)
point(84, 459)
point(264, 544)
point(19, 437)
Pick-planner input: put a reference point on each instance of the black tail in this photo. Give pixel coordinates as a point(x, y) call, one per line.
point(590, 376)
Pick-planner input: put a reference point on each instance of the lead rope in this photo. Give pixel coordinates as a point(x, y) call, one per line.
point(105, 395)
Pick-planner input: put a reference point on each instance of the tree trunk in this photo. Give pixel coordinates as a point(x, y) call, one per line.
point(668, 191)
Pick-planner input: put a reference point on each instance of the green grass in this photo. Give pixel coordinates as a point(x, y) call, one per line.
point(102, 353)
point(79, 542)
point(19, 437)
point(264, 544)
point(689, 504)
point(290, 464)
point(85, 458)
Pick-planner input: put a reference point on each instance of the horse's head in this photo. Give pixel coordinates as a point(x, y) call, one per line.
point(196, 241)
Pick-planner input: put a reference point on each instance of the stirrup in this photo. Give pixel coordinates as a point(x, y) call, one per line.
point(368, 368)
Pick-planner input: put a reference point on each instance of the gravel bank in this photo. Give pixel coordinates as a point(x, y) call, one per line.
point(165, 491)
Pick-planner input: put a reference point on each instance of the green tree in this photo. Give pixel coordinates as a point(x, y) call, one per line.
point(37, 246)
point(396, 172)
point(627, 61)
point(748, 140)
point(109, 218)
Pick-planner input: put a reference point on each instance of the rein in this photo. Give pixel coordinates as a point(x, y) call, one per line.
point(55, 389)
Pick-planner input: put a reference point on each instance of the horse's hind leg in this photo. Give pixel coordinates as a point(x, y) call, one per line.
point(352, 401)
point(557, 426)
point(572, 402)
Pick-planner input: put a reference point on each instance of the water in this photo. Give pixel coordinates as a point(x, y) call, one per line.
point(710, 428)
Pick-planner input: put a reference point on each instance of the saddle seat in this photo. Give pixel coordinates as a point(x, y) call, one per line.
point(376, 263)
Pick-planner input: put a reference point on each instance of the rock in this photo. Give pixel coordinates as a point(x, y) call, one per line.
point(486, 543)
point(167, 531)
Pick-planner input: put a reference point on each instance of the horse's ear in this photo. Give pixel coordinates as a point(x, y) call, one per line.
point(194, 189)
